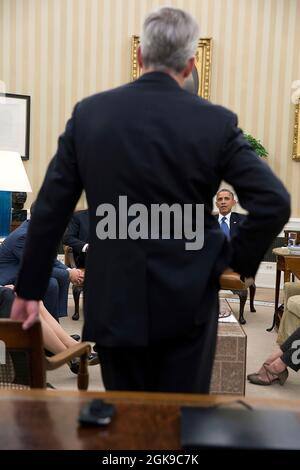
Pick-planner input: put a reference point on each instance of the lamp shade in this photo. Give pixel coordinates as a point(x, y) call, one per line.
point(13, 176)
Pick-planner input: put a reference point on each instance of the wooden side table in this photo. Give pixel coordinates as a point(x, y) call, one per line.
point(289, 265)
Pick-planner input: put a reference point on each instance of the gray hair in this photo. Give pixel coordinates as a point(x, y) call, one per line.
point(169, 39)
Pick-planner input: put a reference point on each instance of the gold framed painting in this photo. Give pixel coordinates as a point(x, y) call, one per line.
point(296, 141)
point(199, 80)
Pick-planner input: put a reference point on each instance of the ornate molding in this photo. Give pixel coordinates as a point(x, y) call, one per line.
point(135, 69)
point(203, 66)
point(296, 140)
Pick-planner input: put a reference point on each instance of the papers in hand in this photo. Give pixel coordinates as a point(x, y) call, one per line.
point(226, 316)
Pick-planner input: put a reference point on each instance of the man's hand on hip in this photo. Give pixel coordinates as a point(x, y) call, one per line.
point(25, 310)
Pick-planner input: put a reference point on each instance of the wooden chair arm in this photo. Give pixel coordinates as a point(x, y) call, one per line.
point(232, 280)
point(62, 358)
point(80, 350)
point(69, 257)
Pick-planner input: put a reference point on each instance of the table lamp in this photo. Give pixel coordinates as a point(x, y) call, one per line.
point(13, 177)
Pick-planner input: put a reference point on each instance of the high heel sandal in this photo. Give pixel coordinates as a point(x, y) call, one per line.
point(271, 377)
point(281, 376)
point(255, 374)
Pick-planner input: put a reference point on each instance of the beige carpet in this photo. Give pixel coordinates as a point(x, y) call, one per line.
point(259, 345)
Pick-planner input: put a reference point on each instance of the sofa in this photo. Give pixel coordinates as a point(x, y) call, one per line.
point(290, 320)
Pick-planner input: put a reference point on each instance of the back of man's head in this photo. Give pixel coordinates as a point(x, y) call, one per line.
point(169, 39)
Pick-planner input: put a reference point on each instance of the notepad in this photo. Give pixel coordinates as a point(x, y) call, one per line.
point(223, 428)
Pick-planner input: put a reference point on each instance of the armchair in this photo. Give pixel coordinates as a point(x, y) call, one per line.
point(23, 362)
point(230, 280)
point(70, 262)
point(290, 320)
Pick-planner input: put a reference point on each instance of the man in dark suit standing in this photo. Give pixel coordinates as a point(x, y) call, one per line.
point(77, 236)
point(228, 220)
point(151, 298)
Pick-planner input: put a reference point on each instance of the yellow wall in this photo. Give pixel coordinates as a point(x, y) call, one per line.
point(59, 51)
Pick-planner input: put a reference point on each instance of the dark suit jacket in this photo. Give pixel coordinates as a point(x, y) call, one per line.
point(77, 235)
point(11, 251)
point(235, 220)
point(6, 300)
point(155, 143)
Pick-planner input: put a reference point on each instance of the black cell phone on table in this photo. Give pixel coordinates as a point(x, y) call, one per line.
point(96, 413)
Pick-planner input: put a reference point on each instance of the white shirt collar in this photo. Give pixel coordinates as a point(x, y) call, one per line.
point(227, 218)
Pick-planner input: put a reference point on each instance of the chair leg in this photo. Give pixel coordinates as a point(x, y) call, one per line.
point(243, 294)
point(76, 295)
point(252, 290)
point(83, 374)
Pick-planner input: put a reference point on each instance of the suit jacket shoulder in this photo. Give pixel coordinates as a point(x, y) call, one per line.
point(237, 217)
point(235, 220)
point(82, 215)
point(11, 251)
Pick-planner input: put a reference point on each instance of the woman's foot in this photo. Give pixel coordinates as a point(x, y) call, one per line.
point(93, 359)
point(275, 355)
point(270, 373)
point(260, 372)
point(74, 365)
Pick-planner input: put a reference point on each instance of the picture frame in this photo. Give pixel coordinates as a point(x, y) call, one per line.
point(296, 140)
point(15, 123)
point(199, 81)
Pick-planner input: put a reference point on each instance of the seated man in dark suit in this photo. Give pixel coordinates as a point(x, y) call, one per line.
point(228, 220)
point(77, 236)
point(56, 297)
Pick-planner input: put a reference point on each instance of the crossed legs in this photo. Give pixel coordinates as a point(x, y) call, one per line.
point(55, 338)
point(275, 366)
